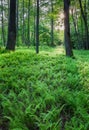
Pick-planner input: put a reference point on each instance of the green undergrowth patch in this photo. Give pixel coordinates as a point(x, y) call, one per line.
point(47, 91)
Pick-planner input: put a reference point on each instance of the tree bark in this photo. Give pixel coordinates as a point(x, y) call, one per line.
point(67, 40)
point(17, 20)
point(12, 26)
point(3, 36)
point(52, 25)
point(37, 28)
point(75, 27)
point(23, 24)
point(29, 22)
point(86, 46)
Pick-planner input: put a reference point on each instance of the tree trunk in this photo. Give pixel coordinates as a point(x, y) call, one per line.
point(86, 26)
point(3, 36)
point(52, 25)
point(37, 28)
point(23, 24)
point(74, 23)
point(67, 41)
point(29, 22)
point(34, 24)
point(12, 26)
point(17, 20)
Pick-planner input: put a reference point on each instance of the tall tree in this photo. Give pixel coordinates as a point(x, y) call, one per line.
point(73, 13)
point(29, 6)
point(11, 41)
point(3, 36)
point(67, 40)
point(37, 28)
point(17, 19)
point(34, 23)
point(52, 24)
point(23, 22)
point(84, 16)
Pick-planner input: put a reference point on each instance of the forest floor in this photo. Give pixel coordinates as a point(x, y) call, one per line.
point(45, 91)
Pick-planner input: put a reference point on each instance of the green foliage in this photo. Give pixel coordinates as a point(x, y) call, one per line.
point(46, 91)
point(45, 36)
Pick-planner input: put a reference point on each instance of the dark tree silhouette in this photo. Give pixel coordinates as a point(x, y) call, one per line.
point(67, 41)
point(11, 41)
point(37, 28)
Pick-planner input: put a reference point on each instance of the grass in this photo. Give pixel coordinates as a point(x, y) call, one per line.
point(47, 91)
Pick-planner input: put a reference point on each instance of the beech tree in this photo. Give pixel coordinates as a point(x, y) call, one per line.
point(11, 40)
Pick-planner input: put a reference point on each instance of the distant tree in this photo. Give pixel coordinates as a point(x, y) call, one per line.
point(11, 41)
point(17, 19)
point(2, 10)
point(34, 23)
point(84, 16)
point(37, 28)
point(23, 21)
point(52, 24)
point(67, 40)
point(29, 6)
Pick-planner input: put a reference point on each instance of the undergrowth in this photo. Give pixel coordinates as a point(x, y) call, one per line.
point(44, 92)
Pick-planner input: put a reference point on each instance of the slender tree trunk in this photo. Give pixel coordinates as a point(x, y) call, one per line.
point(34, 33)
point(37, 28)
point(82, 32)
point(17, 19)
point(86, 26)
point(67, 41)
point(29, 22)
point(3, 36)
point(74, 22)
point(12, 26)
point(52, 25)
point(23, 24)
